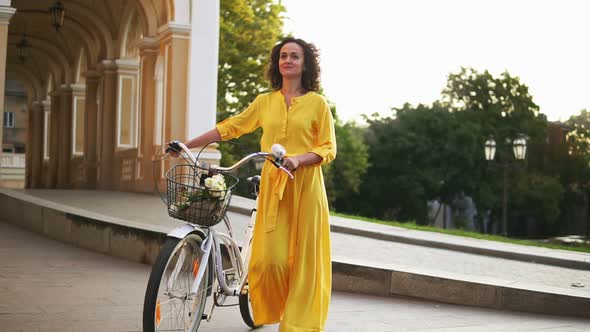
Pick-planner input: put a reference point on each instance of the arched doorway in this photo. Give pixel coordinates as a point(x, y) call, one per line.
point(110, 85)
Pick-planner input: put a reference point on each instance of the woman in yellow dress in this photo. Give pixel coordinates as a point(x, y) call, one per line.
point(290, 274)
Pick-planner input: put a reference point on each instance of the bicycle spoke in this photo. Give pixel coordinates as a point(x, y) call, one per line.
point(180, 308)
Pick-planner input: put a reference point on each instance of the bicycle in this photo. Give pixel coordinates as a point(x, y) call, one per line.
point(190, 266)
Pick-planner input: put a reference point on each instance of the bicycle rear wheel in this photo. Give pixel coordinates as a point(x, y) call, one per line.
point(169, 303)
point(246, 310)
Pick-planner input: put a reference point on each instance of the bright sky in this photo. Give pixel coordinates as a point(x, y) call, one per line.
point(378, 54)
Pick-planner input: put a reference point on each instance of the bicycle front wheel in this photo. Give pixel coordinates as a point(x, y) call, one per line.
point(170, 303)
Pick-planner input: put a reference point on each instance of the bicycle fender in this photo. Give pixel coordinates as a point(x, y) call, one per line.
point(184, 230)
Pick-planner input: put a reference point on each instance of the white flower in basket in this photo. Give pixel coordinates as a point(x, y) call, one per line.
point(208, 199)
point(216, 186)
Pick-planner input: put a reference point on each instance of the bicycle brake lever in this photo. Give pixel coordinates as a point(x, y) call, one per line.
point(287, 171)
point(279, 165)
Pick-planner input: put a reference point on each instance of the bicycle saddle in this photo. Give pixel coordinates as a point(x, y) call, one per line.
point(254, 179)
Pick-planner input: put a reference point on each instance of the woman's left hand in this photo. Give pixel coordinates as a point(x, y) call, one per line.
point(291, 163)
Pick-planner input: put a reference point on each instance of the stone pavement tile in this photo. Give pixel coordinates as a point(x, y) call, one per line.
point(8, 308)
point(565, 329)
point(531, 324)
point(108, 296)
point(430, 260)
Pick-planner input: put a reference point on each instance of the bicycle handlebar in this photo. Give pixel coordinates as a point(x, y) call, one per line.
point(278, 152)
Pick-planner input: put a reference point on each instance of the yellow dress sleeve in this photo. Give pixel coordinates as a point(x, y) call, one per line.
point(326, 142)
point(241, 124)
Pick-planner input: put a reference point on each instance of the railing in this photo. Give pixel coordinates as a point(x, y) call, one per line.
point(12, 170)
point(129, 168)
point(12, 160)
point(78, 172)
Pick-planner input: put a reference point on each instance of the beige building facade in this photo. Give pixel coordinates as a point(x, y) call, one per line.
point(110, 85)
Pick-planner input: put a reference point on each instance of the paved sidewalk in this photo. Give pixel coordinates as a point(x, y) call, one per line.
point(366, 258)
point(149, 211)
point(50, 286)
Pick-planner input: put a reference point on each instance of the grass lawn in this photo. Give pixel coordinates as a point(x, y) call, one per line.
point(459, 232)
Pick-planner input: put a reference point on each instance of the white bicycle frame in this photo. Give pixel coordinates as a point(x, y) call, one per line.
point(213, 241)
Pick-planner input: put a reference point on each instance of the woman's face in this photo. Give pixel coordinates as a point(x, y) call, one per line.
point(291, 61)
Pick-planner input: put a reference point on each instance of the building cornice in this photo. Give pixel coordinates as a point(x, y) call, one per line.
point(149, 45)
point(91, 75)
point(106, 66)
point(174, 30)
point(6, 14)
point(127, 64)
point(78, 87)
point(66, 89)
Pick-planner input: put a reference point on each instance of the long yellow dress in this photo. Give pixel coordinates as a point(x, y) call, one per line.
point(290, 271)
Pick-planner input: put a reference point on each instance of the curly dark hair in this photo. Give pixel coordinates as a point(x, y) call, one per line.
point(310, 79)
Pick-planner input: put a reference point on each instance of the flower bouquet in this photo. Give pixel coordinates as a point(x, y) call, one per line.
point(204, 205)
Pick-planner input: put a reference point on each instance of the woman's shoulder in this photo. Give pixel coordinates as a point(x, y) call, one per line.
point(316, 99)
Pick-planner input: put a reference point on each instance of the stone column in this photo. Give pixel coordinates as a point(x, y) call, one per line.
point(36, 144)
point(6, 13)
point(108, 125)
point(29, 146)
point(204, 59)
point(149, 51)
point(54, 151)
point(65, 137)
point(176, 45)
point(46, 149)
point(90, 130)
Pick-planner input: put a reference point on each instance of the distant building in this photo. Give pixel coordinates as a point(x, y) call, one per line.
point(14, 136)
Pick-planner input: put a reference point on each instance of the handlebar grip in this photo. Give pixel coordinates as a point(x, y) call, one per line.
point(173, 146)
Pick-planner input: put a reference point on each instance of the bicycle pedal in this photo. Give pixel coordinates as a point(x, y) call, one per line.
point(204, 317)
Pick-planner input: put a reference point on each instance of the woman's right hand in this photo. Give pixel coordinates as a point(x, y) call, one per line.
point(173, 149)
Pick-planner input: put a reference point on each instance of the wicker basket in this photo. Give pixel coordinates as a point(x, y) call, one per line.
point(190, 200)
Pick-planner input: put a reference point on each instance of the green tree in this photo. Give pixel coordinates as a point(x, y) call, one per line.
point(538, 196)
point(419, 154)
point(248, 29)
point(437, 152)
point(501, 107)
point(575, 167)
point(579, 135)
point(345, 174)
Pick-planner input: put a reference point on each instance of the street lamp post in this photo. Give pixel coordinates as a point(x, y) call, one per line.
point(519, 150)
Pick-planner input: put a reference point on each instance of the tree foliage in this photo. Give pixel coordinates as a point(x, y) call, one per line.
point(540, 195)
point(502, 106)
point(574, 167)
point(418, 154)
point(345, 174)
point(248, 29)
point(427, 152)
point(579, 135)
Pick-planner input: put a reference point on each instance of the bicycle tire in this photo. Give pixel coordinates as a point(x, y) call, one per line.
point(245, 310)
point(156, 297)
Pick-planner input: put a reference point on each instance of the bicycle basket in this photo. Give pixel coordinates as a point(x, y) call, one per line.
point(193, 195)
